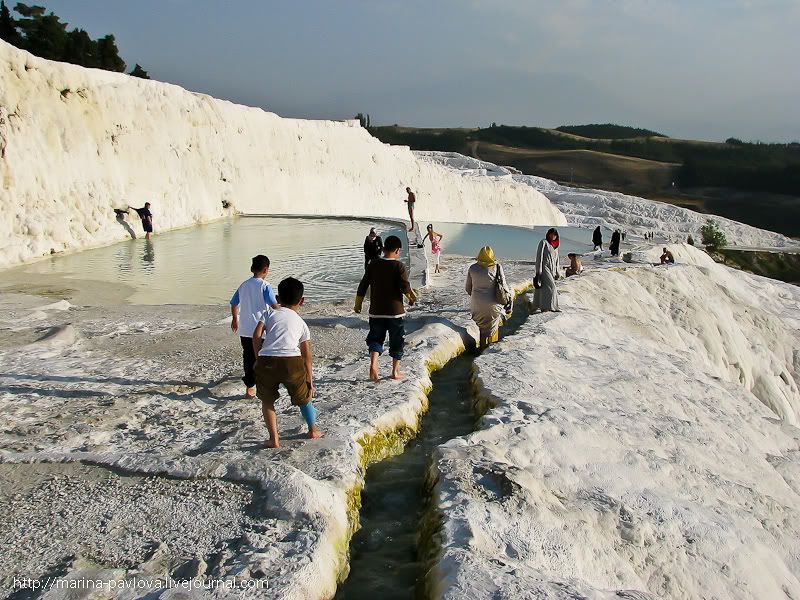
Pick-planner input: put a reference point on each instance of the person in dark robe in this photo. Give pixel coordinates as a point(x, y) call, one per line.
point(373, 247)
point(597, 238)
point(614, 244)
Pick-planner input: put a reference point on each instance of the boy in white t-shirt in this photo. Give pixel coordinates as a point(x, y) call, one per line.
point(252, 299)
point(282, 342)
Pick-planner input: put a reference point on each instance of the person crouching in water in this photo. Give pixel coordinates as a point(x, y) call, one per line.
point(481, 285)
point(545, 297)
point(249, 303)
point(575, 265)
point(282, 342)
point(387, 280)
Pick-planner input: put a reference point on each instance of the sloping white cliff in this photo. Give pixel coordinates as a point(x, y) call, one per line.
point(75, 143)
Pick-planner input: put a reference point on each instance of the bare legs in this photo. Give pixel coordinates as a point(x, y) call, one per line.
point(271, 420)
point(373, 368)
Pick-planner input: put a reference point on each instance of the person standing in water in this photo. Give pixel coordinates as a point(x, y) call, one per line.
point(545, 297)
point(597, 238)
point(436, 247)
point(373, 247)
point(147, 219)
point(411, 201)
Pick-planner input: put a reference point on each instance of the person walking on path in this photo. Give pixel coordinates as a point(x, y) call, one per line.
point(484, 277)
point(387, 280)
point(597, 238)
point(282, 341)
point(411, 200)
point(250, 302)
point(436, 246)
point(614, 244)
point(147, 219)
point(545, 296)
point(373, 247)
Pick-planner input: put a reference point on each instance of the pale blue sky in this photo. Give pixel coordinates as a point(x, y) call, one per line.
point(705, 69)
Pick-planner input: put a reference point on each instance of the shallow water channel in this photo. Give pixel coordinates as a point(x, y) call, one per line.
point(386, 561)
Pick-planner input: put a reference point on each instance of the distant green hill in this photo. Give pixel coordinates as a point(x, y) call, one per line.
point(737, 165)
point(608, 131)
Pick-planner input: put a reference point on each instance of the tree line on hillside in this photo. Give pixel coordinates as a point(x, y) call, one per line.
point(45, 35)
point(734, 164)
point(608, 131)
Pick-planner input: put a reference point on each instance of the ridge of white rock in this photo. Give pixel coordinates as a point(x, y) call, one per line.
point(589, 208)
point(76, 143)
point(641, 444)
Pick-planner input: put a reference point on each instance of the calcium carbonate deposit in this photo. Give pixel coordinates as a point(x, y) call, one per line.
point(589, 208)
point(643, 443)
point(76, 143)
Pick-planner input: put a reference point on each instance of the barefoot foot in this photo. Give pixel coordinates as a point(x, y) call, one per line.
point(314, 433)
point(398, 376)
point(251, 392)
point(373, 374)
point(270, 443)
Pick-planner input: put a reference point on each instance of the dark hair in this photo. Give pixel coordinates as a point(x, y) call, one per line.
point(392, 243)
point(259, 263)
point(290, 291)
point(146, 204)
point(554, 231)
point(430, 226)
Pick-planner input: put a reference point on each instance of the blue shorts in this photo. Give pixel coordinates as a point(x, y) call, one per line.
point(378, 327)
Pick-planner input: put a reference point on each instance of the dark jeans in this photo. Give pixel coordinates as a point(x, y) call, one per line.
point(248, 361)
point(378, 326)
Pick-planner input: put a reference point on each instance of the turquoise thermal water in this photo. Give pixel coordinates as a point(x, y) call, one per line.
point(205, 264)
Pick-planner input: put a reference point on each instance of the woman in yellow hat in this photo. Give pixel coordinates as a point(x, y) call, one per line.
point(484, 277)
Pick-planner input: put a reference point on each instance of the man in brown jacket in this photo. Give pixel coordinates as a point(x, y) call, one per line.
point(387, 279)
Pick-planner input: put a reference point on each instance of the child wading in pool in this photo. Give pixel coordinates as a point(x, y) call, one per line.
point(387, 279)
point(252, 299)
point(284, 357)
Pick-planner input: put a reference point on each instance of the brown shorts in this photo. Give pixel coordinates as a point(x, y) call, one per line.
point(272, 371)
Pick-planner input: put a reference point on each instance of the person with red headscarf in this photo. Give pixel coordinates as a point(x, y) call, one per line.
point(545, 296)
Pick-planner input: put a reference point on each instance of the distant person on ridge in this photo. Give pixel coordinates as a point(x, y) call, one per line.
point(252, 299)
point(614, 244)
point(597, 238)
point(147, 219)
point(545, 296)
point(436, 246)
point(410, 201)
point(373, 246)
point(387, 280)
point(667, 258)
point(282, 341)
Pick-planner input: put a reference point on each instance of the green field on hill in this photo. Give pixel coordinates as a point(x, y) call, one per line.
point(756, 183)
